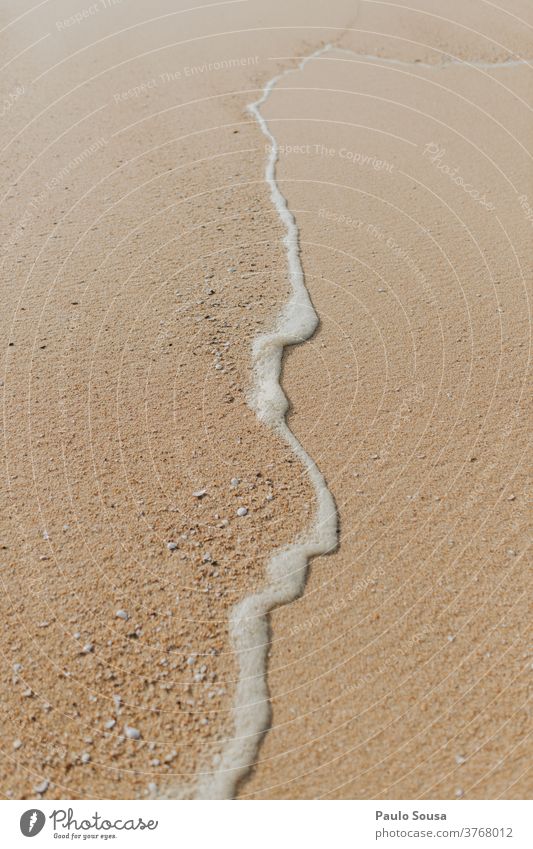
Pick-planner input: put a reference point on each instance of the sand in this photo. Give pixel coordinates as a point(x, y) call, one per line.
point(141, 256)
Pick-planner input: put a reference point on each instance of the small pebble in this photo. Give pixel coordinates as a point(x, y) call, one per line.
point(88, 648)
point(121, 614)
point(152, 787)
point(172, 546)
point(132, 733)
point(235, 481)
point(17, 744)
point(85, 758)
point(207, 557)
point(199, 493)
point(459, 759)
point(242, 511)
point(110, 724)
point(42, 787)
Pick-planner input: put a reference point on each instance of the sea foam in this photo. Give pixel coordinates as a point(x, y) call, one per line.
point(286, 570)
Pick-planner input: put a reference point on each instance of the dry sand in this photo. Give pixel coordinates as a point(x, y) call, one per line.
point(141, 255)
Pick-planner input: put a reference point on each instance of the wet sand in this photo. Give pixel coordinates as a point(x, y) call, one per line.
point(403, 672)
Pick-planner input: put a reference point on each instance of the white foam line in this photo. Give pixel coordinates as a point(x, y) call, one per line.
point(287, 568)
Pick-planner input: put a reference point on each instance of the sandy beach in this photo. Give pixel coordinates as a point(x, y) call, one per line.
point(144, 498)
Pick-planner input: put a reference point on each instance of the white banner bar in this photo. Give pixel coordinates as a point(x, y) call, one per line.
point(269, 825)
